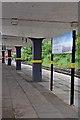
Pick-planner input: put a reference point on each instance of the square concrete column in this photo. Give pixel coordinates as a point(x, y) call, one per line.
point(9, 56)
point(3, 56)
point(18, 57)
point(37, 59)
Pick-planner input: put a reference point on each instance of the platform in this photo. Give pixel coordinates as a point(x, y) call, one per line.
point(22, 98)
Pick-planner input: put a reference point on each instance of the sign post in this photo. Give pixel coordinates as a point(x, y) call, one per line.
point(73, 69)
point(63, 44)
point(51, 83)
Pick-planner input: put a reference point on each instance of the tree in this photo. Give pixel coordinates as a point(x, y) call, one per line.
point(60, 60)
point(27, 53)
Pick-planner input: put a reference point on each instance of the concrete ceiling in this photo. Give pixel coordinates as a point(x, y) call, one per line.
point(11, 41)
point(37, 19)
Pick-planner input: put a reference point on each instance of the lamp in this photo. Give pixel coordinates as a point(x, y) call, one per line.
point(14, 21)
point(74, 24)
point(24, 40)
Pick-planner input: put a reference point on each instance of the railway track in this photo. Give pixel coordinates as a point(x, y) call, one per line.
point(64, 71)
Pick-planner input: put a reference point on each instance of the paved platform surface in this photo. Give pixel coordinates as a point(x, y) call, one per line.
point(61, 83)
point(22, 98)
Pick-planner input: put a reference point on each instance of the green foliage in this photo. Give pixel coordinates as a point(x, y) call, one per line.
point(60, 60)
point(26, 53)
point(78, 47)
point(14, 56)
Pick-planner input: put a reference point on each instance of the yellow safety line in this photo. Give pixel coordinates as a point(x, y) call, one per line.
point(18, 58)
point(52, 62)
point(72, 65)
point(36, 61)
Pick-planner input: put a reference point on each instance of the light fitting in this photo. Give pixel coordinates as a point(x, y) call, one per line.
point(14, 21)
point(74, 24)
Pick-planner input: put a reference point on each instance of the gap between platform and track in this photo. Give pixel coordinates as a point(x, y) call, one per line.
point(60, 70)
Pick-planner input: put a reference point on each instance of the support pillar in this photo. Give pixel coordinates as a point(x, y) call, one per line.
point(37, 59)
point(3, 56)
point(18, 57)
point(9, 56)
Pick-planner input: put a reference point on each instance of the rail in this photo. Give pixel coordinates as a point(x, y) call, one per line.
point(61, 70)
point(64, 71)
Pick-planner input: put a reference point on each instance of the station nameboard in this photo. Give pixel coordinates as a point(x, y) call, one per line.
point(62, 43)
